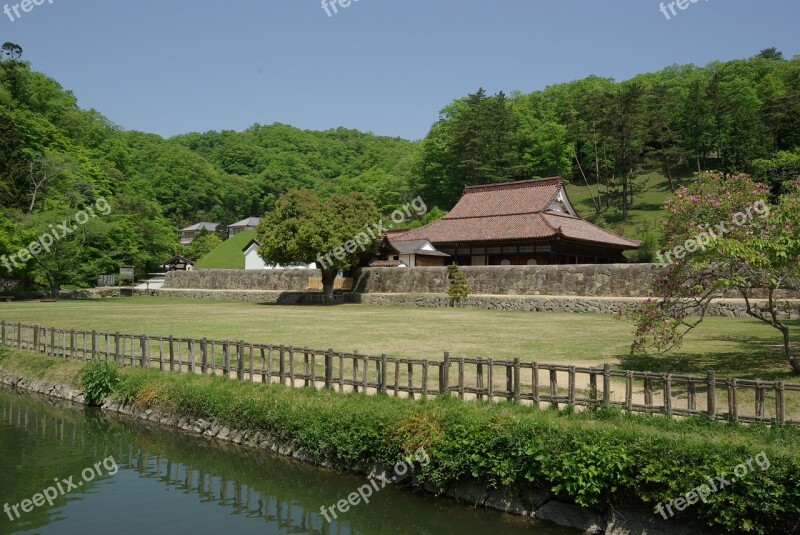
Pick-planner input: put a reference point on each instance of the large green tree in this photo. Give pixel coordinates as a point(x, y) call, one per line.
point(477, 140)
point(334, 232)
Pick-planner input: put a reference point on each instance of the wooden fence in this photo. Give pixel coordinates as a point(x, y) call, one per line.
point(468, 378)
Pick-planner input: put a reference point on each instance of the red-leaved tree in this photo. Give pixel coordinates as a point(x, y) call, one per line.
point(723, 238)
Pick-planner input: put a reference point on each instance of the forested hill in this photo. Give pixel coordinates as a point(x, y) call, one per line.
point(56, 159)
point(725, 116)
point(622, 145)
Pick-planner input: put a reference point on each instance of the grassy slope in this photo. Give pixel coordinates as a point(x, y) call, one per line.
point(644, 215)
point(229, 254)
point(738, 347)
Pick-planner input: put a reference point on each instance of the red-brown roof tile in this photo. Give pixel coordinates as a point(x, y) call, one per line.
point(510, 212)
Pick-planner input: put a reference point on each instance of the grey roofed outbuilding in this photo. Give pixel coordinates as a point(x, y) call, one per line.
point(415, 247)
point(211, 227)
point(177, 259)
point(249, 222)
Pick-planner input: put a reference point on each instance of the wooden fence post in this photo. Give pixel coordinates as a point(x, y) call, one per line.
point(606, 385)
point(204, 355)
point(191, 355)
point(307, 380)
point(410, 366)
point(36, 338)
point(712, 394)
point(648, 392)
point(445, 375)
point(355, 374)
point(384, 364)
point(571, 385)
point(19, 335)
point(490, 380)
point(629, 390)
point(282, 364)
point(161, 365)
point(226, 358)
point(240, 361)
point(668, 394)
point(733, 413)
point(425, 364)
point(94, 345)
point(509, 382)
point(72, 343)
point(290, 349)
point(145, 348)
point(780, 406)
point(2, 332)
point(759, 400)
point(329, 369)
point(517, 369)
point(479, 380)
point(171, 342)
point(265, 379)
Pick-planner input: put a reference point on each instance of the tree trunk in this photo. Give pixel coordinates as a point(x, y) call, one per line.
point(669, 176)
point(787, 350)
point(328, 278)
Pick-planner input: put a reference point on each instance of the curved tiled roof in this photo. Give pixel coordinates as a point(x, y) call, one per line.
point(513, 211)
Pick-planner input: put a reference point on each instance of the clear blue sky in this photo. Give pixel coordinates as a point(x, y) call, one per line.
point(386, 66)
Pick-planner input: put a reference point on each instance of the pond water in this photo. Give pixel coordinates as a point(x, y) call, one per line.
point(122, 476)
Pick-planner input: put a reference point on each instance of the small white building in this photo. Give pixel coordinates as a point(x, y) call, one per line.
point(252, 260)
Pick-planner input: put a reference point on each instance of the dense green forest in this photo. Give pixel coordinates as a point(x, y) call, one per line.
point(57, 160)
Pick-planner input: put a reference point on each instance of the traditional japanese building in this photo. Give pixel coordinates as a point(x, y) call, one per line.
point(529, 222)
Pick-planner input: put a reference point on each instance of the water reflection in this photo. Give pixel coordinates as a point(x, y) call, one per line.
point(174, 482)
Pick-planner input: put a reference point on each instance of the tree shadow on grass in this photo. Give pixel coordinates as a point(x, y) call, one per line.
point(755, 360)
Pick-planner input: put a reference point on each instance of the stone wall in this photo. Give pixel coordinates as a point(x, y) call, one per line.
point(596, 280)
point(588, 281)
point(292, 280)
point(607, 280)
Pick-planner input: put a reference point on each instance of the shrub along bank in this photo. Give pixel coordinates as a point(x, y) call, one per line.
point(594, 459)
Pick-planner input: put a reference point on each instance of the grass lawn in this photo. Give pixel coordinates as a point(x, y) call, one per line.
point(736, 347)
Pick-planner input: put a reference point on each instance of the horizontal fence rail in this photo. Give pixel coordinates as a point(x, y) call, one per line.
point(487, 379)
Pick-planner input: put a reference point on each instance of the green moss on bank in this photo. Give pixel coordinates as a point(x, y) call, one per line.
point(595, 458)
point(51, 370)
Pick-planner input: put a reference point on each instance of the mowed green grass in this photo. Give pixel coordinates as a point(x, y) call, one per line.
point(738, 347)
